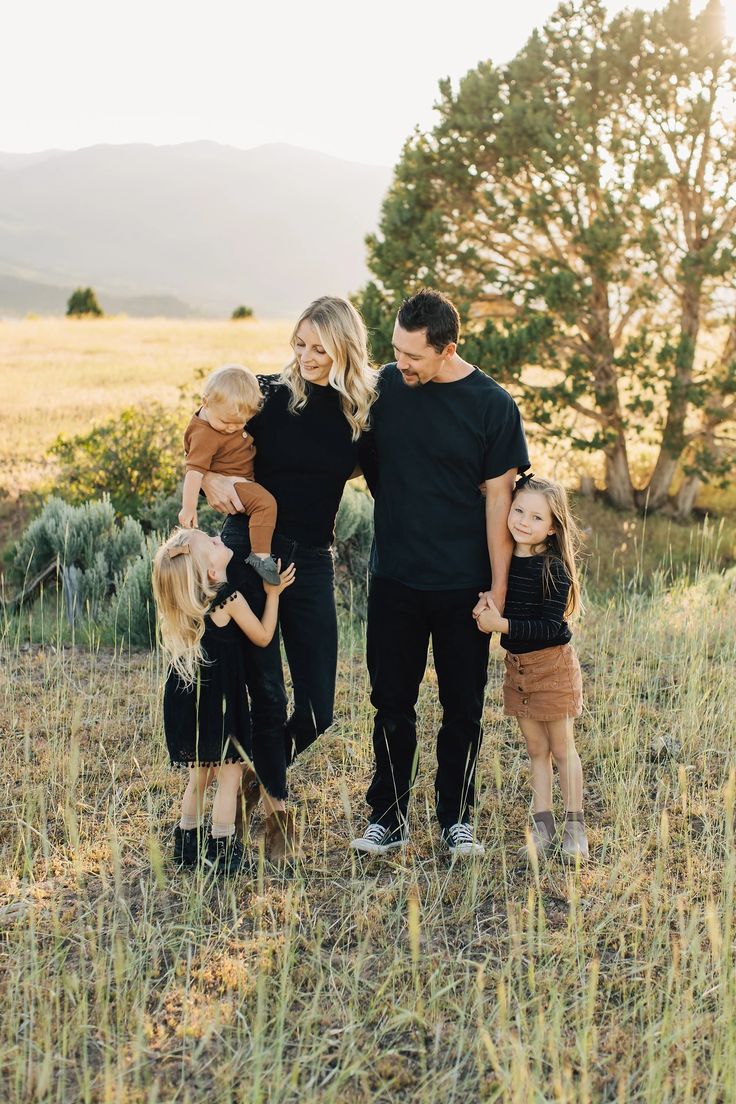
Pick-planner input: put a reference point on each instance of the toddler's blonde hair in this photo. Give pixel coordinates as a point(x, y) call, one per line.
point(236, 387)
point(183, 594)
point(564, 544)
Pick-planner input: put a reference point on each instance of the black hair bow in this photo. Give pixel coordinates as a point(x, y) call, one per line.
point(523, 480)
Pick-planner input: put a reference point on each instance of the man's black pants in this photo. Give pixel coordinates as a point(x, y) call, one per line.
point(401, 621)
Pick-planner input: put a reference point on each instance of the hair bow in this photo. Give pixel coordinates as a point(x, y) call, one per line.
point(523, 480)
point(179, 550)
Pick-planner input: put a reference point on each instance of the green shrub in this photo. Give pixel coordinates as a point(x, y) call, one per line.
point(91, 548)
point(162, 515)
point(83, 301)
point(134, 458)
point(241, 313)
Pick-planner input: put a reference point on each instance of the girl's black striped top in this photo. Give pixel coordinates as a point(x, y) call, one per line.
point(535, 611)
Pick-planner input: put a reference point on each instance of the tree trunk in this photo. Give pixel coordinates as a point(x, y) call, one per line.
point(685, 498)
point(673, 436)
point(656, 494)
point(619, 489)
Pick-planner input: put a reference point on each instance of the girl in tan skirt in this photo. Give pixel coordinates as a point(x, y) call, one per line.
point(543, 684)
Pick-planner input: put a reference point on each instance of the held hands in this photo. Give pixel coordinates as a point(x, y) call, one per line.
point(288, 575)
point(487, 612)
point(490, 620)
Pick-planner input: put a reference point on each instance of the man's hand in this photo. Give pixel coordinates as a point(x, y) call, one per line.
point(221, 494)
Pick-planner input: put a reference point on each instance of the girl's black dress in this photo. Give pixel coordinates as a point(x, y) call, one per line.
point(208, 723)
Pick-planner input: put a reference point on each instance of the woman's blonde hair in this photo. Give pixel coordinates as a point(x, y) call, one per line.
point(183, 594)
point(235, 386)
point(343, 336)
point(564, 544)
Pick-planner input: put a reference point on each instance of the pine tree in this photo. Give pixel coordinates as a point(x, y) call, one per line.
point(578, 206)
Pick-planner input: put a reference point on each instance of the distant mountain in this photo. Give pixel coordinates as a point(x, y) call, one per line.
point(205, 224)
point(18, 297)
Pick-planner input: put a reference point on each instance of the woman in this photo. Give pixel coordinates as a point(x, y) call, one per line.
point(306, 437)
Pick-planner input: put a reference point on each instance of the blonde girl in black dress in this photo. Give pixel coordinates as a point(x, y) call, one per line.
point(204, 623)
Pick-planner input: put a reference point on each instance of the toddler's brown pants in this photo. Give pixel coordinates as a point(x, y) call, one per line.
point(260, 506)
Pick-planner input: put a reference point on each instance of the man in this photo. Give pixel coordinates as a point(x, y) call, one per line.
point(442, 430)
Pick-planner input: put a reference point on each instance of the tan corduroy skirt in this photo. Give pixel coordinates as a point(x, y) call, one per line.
point(543, 686)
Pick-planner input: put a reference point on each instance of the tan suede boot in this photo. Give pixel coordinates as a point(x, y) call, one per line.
point(281, 837)
point(574, 838)
point(541, 834)
point(248, 798)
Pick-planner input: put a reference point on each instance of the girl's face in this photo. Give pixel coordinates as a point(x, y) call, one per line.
point(216, 554)
point(530, 519)
point(313, 359)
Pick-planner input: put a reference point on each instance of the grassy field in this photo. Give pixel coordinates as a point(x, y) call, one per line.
point(414, 980)
point(402, 980)
point(64, 375)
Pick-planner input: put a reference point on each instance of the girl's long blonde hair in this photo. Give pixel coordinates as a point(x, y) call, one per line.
point(564, 544)
point(183, 594)
point(344, 338)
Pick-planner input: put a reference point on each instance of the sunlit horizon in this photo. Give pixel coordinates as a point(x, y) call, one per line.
point(309, 76)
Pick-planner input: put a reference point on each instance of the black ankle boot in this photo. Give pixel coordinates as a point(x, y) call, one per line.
point(187, 845)
point(226, 855)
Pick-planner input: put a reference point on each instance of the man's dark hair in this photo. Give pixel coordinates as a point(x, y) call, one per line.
point(432, 311)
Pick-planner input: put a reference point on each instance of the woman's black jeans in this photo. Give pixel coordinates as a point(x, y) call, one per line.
point(308, 624)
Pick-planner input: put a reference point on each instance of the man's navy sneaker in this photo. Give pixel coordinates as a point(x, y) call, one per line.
point(380, 838)
point(460, 840)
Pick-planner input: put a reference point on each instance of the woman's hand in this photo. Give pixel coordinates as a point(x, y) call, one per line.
point(221, 494)
point(287, 578)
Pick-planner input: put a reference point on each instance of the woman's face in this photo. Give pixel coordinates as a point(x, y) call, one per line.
point(314, 362)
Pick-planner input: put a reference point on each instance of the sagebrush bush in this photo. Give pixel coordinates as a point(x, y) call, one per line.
point(161, 515)
point(353, 538)
point(132, 616)
point(91, 548)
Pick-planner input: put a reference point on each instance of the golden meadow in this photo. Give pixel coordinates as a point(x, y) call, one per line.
point(407, 979)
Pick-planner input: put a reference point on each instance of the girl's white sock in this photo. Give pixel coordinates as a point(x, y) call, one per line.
point(187, 823)
point(222, 831)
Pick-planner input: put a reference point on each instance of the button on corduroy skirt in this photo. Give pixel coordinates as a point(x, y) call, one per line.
point(543, 686)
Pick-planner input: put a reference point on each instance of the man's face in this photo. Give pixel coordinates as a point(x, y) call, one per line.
point(417, 361)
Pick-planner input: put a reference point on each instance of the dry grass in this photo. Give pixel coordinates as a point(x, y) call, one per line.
point(401, 980)
point(63, 375)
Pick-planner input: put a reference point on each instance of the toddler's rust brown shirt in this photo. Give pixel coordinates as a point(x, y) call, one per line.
point(208, 450)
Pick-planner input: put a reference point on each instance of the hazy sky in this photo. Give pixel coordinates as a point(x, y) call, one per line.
point(351, 79)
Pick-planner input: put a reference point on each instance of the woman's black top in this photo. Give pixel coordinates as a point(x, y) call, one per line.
point(304, 459)
point(535, 606)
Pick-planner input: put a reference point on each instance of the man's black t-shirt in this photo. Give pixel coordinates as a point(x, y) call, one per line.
point(433, 446)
